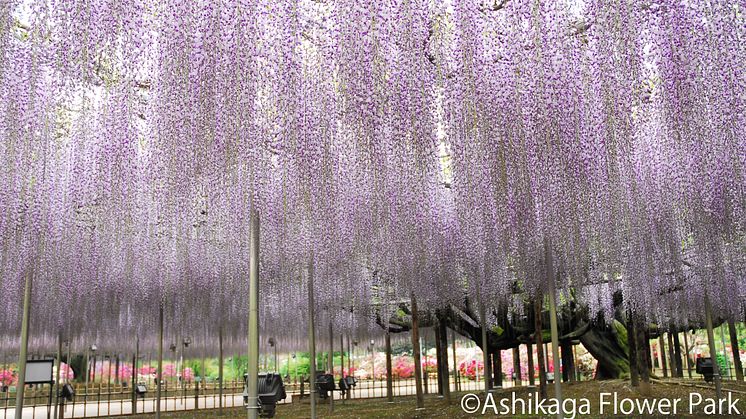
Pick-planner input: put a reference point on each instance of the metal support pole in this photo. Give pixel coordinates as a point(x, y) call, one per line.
point(485, 348)
point(417, 354)
point(21, 384)
point(159, 373)
point(220, 370)
point(455, 362)
point(311, 341)
point(711, 344)
point(350, 370)
point(55, 386)
point(331, 363)
point(253, 367)
point(87, 375)
point(134, 375)
point(69, 362)
point(553, 326)
point(389, 378)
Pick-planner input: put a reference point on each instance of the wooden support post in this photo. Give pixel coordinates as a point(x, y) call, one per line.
point(642, 362)
point(734, 348)
point(443, 360)
point(530, 355)
point(497, 368)
point(517, 375)
point(634, 374)
point(662, 354)
point(676, 364)
point(686, 354)
point(671, 354)
point(568, 361)
point(711, 344)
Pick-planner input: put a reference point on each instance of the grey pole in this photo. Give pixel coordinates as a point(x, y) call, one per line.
point(159, 373)
point(20, 386)
point(553, 325)
point(342, 355)
point(134, 375)
point(389, 378)
point(331, 363)
point(455, 362)
point(67, 380)
point(311, 341)
point(87, 371)
point(220, 370)
point(57, 380)
point(416, 354)
point(253, 367)
point(485, 352)
point(711, 344)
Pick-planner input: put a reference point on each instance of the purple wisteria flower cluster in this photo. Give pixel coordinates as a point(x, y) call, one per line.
point(436, 147)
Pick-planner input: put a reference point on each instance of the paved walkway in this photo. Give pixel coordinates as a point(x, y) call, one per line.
point(364, 389)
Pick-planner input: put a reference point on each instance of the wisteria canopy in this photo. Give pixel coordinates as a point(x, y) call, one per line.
point(453, 150)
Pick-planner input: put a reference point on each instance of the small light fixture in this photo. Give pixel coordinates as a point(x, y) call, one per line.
point(94, 348)
point(187, 341)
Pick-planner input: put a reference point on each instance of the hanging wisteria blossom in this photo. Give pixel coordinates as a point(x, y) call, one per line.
point(459, 151)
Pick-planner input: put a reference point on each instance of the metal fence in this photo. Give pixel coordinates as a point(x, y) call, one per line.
point(108, 399)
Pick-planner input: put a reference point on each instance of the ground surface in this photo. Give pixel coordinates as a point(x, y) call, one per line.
point(404, 407)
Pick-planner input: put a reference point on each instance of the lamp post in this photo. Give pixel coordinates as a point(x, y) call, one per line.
point(94, 348)
point(295, 363)
point(273, 344)
point(88, 351)
point(172, 348)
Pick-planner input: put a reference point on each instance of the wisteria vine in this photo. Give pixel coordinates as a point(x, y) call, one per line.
point(427, 147)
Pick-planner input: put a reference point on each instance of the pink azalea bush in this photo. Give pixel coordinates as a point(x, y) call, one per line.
point(470, 368)
point(66, 373)
point(7, 377)
point(402, 367)
point(429, 365)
